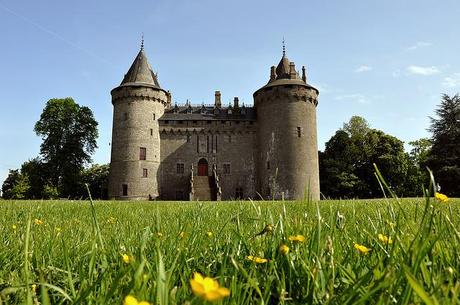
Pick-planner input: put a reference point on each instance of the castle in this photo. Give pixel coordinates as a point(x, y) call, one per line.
point(171, 152)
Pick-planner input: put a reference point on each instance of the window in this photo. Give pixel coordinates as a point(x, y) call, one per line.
point(268, 164)
point(124, 191)
point(143, 153)
point(299, 132)
point(151, 131)
point(227, 168)
point(239, 193)
point(180, 168)
point(144, 172)
point(154, 117)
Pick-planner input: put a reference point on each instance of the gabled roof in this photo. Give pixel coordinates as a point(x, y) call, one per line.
point(140, 73)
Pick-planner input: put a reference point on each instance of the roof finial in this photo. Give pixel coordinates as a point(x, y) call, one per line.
point(284, 47)
point(142, 42)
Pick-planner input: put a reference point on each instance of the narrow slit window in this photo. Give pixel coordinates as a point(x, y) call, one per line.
point(124, 190)
point(299, 132)
point(145, 172)
point(142, 153)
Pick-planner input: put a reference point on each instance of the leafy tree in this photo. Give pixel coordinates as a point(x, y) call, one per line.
point(15, 185)
point(417, 173)
point(346, 166)
point(97, 178)
point(444, 158)
point(69, 133)
point(356, 127)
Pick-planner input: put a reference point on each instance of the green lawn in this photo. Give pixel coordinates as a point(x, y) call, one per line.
point(66, 260)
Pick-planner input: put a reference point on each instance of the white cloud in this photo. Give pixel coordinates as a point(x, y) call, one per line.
point(363, 68)
point(418, 45)
point(419, 70)
point(452, 81)
point(355, 97)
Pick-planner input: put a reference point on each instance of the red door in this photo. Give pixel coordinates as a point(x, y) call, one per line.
point(202, 167)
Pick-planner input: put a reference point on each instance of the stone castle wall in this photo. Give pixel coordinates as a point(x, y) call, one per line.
point(219, 142)
point(135, 125)
point(286, 139)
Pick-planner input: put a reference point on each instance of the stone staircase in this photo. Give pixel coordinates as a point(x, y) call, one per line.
point(204, 188)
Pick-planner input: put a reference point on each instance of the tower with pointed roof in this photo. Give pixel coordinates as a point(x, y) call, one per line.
point(287, 151)
point(138, 103)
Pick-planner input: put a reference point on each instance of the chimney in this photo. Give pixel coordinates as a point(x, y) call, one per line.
point(304, 74)
point(236, 102)
point(292, 72)
point(272, 73)
point(217, 100)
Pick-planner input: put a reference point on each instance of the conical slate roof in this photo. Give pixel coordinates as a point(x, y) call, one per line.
point(140, 73)
point(283, 69)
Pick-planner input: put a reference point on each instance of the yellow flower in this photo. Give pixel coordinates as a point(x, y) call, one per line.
point(159, 234)
point(34, 288)
point(127, 258)
point(130, 300)
point(297, 238)
point(385, 239)
point(57, 229)
point(209, 233)
point(362, 249)
point(111, 220)
point(14, 227)
point(257, 260)
point(38, 221)
point(441, 197)
point(207, 288)
point(284, 249)
point(267, 229)
point(182, 234)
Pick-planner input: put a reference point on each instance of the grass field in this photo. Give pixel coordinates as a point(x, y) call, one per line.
point(52, 252)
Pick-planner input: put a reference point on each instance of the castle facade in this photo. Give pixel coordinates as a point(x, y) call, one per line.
point(171, 152)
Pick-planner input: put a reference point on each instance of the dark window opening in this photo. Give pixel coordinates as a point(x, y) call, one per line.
point(181, 122)
point(299, 132)
point(142, 153)
point(166, 122)
point(239, 193)
point(154, 117)
point(194, 122)
point(227, 168)
point(208, 122)
point(124, 191)
point(151, 131)
point(180, 169)
point(268, 164)
point(144, 172)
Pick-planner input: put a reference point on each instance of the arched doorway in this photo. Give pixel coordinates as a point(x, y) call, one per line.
point(203, 167)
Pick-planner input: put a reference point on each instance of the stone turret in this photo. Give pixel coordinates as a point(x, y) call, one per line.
point(138, 103)
point(287, 150)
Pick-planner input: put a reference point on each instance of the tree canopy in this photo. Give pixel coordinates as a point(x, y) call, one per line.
point(444, 158)
point(69, 133)
point(346, 165)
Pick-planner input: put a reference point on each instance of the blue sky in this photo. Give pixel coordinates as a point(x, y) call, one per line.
point(388, 61)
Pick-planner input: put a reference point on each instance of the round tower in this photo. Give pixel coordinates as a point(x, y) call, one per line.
point(138, 103)
point(287, 161)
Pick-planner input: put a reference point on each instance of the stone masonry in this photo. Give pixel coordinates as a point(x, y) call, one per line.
point(161, 151)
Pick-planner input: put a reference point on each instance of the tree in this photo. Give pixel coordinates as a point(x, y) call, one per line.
point(97, 178)
point(346, 166)
point(444, 158)
point(15, 185)
point(356, 127)
point(69, 133)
